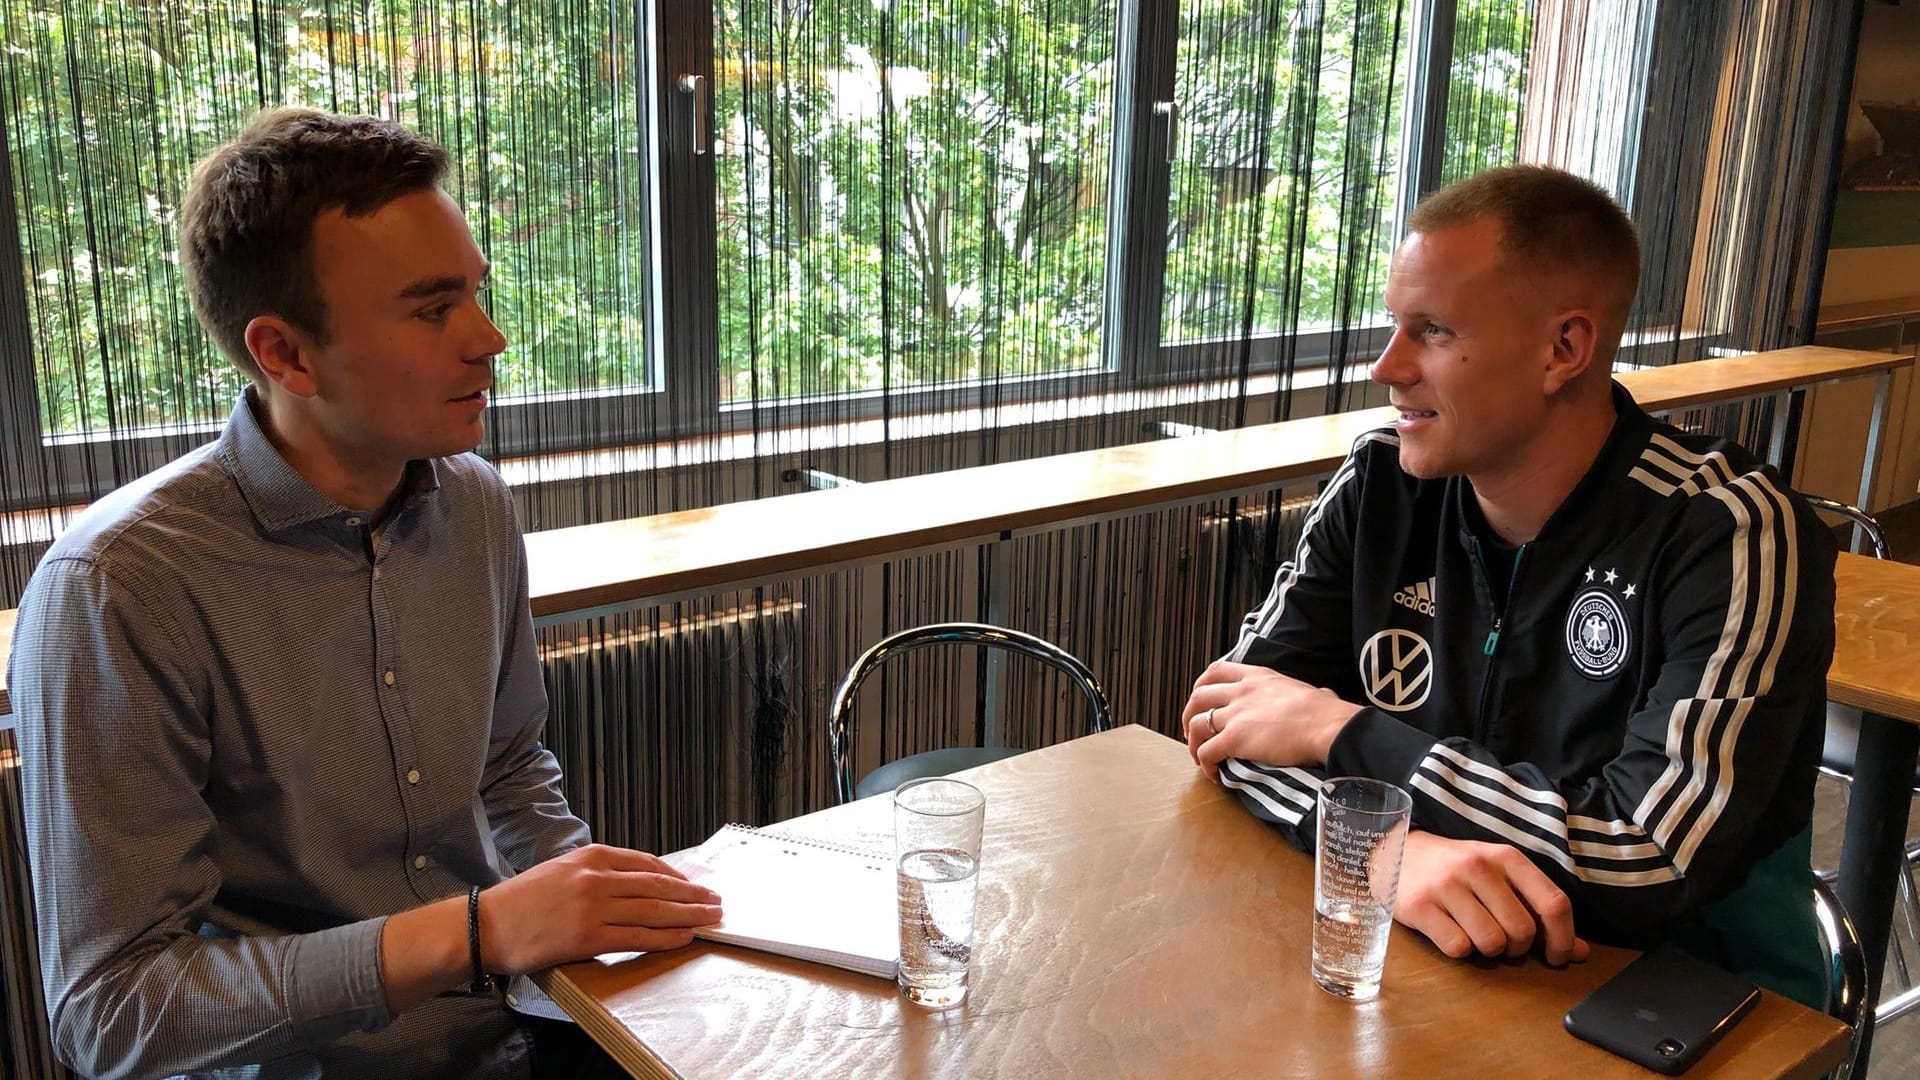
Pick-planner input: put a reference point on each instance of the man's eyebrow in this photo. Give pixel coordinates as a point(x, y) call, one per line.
point(434, 286)
point(447, 283)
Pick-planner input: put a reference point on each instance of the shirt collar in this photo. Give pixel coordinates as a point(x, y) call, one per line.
point(278, 495)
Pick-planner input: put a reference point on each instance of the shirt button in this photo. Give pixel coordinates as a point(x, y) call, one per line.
point(376, 573)
point(513, 1002)
point(388, 677)
point(353, 521)
point(413, 776)
point(419, 862)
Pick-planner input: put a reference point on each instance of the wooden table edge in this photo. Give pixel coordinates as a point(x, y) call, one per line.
point(631, 1054)
point(1831, 1054)
point(1814, 1062)
point(1868, 699)
point(601, 1026)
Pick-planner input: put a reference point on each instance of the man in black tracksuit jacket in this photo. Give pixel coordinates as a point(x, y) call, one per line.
point(1591, 647)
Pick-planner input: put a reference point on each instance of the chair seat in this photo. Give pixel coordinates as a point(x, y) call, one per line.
point(1843, 742)
point(931, 763)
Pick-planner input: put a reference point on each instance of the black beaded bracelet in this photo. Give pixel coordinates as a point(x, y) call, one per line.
point(482, 982)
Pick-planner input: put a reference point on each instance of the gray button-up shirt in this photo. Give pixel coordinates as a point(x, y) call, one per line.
point(251, 728)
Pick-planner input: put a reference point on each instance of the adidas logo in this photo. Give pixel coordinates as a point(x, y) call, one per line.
point(1418, 596)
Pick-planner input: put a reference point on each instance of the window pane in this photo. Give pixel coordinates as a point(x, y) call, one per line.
point(1486, 86)
point(910, 194)
point(108, 105)
point(1283, 191)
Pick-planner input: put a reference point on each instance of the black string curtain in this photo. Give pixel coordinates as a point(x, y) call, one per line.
point(1722, 154)
point(944, 234)
point(105, 108)
point(918, 212)
point(1482, 122)
point(1733, 111)
point(915, 214)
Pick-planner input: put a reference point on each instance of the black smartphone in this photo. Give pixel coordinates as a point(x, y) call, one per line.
point(1663, 1011)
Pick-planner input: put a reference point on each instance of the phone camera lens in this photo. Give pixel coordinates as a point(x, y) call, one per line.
point(1670, 1047)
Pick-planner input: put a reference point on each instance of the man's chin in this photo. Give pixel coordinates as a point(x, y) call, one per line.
point(1421, 467)
point(456, 443)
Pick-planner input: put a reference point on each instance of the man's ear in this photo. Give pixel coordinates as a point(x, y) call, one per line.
point(1575, 341)
point(284, 354)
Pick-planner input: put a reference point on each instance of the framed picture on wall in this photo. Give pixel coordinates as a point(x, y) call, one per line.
point(1878, 203)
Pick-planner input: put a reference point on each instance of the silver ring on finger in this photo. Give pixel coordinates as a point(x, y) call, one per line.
point(1212, 728)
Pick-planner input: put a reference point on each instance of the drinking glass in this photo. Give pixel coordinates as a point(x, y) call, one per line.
point(936, 833)
point(1356, 870)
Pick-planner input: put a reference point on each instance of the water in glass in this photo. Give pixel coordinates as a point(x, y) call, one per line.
point(936, 888)
point(1350, 946)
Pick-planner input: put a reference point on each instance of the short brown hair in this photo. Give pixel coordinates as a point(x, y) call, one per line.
point(246, 222)
point(1549, 220)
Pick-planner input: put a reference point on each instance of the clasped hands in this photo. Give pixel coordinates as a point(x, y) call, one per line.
point(1465, 896)
point(1244, 711)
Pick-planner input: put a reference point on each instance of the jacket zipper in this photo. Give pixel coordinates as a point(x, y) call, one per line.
point(1493, 636)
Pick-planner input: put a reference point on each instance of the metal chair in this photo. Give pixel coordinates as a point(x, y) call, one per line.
point(1846, 970)
point(1837, 760)
point(1859, 517)
point(941, 762)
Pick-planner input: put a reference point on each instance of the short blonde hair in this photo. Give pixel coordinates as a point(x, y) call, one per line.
point(1550, 220)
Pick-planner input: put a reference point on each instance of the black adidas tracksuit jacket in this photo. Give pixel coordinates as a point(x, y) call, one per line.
point(1642, 716)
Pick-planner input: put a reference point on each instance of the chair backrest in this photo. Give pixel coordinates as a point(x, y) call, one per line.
point(1859, 517)
point(840, 719)
point(1846, 968)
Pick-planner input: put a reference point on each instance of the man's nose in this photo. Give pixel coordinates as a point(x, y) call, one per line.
point(488, 340)
point(1394, 366)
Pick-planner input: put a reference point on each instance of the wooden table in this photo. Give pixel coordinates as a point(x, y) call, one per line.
point(1134, 922)
point(1876, 669)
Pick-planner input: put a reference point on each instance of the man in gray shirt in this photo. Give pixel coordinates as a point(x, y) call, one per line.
point(279, 704)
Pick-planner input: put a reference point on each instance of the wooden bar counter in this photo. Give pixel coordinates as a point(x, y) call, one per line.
point(617, 565)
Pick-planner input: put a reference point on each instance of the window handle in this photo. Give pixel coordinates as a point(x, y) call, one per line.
point(696, 87)
point(1170, 110)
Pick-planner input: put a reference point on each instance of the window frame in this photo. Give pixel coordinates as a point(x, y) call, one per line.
point(681, 304)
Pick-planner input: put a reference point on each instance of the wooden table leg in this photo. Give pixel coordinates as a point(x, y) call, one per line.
point(1875, 843)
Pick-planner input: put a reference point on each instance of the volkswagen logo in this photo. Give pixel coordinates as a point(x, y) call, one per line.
point(1396, 668)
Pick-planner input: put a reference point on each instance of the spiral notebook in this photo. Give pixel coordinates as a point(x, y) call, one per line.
point(806, 899)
